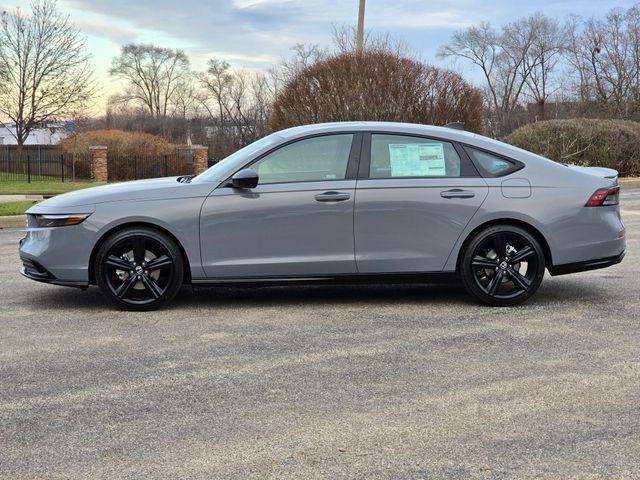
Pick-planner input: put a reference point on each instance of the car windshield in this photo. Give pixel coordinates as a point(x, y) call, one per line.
point(222, 169)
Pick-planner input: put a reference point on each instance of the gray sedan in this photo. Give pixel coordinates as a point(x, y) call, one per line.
point(343, 202)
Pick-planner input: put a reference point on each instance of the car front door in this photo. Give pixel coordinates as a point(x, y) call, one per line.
point(298, 221)
point(414, 197)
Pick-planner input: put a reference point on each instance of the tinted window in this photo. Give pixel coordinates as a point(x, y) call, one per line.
point(222, 169)
point(395, 156)
point(490, 163)
point(313, 159)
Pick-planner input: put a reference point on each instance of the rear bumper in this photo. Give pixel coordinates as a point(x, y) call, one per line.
point(586, 265)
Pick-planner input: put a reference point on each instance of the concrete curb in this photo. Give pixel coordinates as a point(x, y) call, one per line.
point(629, 182)
point(13, 221)
point(19, 198)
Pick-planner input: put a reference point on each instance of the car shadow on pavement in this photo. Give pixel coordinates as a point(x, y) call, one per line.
point(568, 292)
point(327, 294)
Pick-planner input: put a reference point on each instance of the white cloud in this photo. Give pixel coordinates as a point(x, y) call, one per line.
point(98, 27)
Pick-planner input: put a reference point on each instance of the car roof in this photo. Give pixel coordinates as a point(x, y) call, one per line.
point(372, 126)
point(444, 133)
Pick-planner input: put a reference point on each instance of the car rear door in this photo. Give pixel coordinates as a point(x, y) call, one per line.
point(297, 222)
point(414, 197)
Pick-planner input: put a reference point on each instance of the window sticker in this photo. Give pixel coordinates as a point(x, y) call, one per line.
point(417, 160)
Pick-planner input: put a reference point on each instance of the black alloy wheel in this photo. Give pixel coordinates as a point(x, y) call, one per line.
point(139, 268)
point(503, 265)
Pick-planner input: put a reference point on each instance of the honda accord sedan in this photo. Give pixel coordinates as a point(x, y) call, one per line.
point(342, 202)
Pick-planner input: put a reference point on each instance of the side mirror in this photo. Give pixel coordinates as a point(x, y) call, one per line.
point(247, 178)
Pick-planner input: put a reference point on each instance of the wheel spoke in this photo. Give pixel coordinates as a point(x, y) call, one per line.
point(118, 263)
point(519, 279)
point(139, 249)
point(159, 262)
point(122, 290)
point(522, 254)
point(500, 245)
point(495, 282)
point(152, 286)
point(483, 262)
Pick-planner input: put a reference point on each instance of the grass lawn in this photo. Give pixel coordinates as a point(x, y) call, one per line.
point(15, 208)
point(41, 188)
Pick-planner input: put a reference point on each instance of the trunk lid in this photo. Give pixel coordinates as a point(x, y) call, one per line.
point(601, 172)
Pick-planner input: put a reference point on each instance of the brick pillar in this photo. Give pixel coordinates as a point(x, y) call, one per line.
point(200, 155)
point(99, 164)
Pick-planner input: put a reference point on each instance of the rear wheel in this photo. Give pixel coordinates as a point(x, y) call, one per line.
point(502, 265)
point(139, 268)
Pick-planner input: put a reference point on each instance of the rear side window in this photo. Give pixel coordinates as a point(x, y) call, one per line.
point(396, 156)
point(491, 164)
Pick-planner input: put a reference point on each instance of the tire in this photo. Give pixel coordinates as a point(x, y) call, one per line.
point(125, 272)
point(502, 265)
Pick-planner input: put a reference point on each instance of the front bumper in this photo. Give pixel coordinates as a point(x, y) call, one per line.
point(34, 271)
point(586, 265)
point(58, 255)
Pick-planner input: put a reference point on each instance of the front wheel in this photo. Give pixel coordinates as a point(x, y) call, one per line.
point(502, 265)
point(139, 268)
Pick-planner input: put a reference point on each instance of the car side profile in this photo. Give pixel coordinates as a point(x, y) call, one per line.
point(341, 202)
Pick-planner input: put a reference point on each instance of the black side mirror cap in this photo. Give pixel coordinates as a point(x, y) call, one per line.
point(246, 178)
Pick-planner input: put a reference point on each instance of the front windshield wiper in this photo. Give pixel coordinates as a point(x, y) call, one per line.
point(185, 178)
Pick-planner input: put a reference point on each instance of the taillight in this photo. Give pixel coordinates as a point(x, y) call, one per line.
point(604, 197)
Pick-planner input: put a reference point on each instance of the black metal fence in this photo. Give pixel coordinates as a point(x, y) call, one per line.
point(42, 163)
point(133, 167)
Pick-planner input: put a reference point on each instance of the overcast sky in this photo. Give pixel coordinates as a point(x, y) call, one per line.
point(256, 33)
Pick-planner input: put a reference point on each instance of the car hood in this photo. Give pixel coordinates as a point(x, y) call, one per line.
point(152, 189)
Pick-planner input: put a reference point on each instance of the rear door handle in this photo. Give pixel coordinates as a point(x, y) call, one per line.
point(332, 197)
point(457, 193)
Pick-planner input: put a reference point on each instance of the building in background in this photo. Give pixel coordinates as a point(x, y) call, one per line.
point(50, 134)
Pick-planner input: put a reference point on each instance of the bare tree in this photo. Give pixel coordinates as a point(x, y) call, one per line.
point(154, 76)
point(185, 97)
point(44, 68)
point(216, 82)
point(514, 61)
point(481, 46)
point(237, 102)
point(633, 25)
point(543, 59)
point(604, 55)
point(303, 56)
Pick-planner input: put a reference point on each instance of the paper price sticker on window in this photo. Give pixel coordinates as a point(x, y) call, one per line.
point(417, 160)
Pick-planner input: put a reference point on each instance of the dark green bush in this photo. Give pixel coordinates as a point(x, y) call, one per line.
point(585, 142)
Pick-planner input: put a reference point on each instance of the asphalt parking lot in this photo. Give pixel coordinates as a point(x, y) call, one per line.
point(324, 382)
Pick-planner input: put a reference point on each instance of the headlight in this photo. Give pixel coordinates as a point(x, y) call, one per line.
point(46, 220)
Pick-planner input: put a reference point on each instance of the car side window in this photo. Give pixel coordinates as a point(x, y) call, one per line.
point(395, 156)
point(313, 159)
point(492, 164)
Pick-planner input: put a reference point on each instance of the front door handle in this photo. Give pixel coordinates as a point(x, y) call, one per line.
point(332, 197)
point(457, 193)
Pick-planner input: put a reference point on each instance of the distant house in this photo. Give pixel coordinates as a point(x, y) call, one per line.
point(51, 134)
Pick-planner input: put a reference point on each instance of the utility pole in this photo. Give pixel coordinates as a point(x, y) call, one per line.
point(360, 32)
